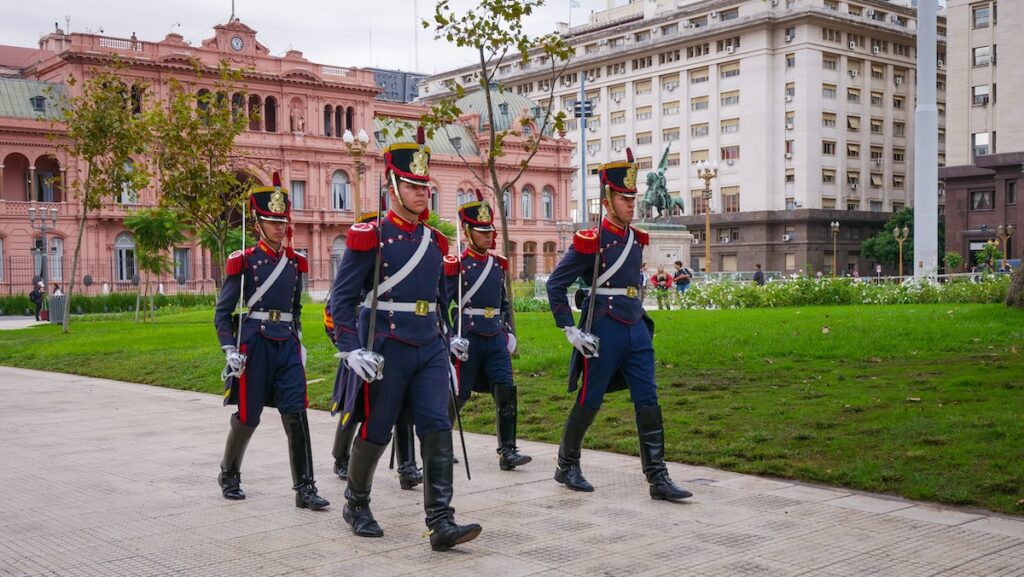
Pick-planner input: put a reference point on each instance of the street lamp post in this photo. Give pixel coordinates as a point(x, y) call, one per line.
point(834, 225)
point(706, 171)
point(356, 147)
point(44, 223)
point(1004, 233)
point(564, 228)
point(901, 237)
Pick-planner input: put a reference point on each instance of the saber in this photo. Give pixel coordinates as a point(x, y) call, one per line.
point(376, 271)
point(597, 263)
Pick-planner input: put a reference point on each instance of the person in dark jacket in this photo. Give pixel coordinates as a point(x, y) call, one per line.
point(36, 296)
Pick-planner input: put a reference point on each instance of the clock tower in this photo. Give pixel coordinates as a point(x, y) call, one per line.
point(236, 39)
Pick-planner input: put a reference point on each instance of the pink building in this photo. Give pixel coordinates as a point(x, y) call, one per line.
point(304, 108)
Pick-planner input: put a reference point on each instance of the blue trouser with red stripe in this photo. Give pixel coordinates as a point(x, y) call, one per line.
point(414, 376)
point(273, 375)
point(624, 347)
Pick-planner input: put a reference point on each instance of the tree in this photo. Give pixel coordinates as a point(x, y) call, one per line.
point(156, 231)
point(883, 247)
point(953, 261)
point(102, 131)
point(494, 28)
point(194, 137)
point(1015, 294)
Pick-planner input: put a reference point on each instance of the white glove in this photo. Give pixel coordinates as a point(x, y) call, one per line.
point(511, 343)
point(585, 343)
point(367, 365)
point(234, 358)
point(459, 347)
point(304, 354)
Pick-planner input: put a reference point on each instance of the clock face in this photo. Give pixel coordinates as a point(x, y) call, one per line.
point(237, 44)
point(527, 130)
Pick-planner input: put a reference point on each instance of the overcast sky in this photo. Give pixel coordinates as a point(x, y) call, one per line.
point(360, 33)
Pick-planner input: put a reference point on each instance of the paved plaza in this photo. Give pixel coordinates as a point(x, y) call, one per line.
point(102, 478)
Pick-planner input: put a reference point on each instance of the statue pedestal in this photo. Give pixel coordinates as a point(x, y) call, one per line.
point(668, 243)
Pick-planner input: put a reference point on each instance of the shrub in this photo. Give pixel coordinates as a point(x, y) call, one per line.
point(110, 303)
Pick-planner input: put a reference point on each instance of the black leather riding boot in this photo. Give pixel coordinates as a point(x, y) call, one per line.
point(296, 426)
point(361, 467)
point(437, 494)
point(568, 472)
point(409, 474)
point(343, 448)
point(652, 455)
point(230, 477)
point(505, 401)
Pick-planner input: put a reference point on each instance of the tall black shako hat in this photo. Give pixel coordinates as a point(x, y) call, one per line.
point(408, 161)
point(477, 214)
point(270, 202)
point(619, 177)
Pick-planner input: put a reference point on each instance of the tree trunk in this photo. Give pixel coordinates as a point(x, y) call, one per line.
point(1015, 294)
point(74, 268)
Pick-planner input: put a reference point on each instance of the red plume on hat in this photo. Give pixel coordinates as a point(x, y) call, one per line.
point(629, 154)
point(479, 195)
point(277, 179)
point(421, 138)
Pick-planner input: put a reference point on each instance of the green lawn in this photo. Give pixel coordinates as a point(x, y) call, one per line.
point(923, 401)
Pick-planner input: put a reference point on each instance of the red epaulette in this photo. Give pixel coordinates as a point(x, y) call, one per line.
point(641, 236)
point(300, 260)
point(585, 241)
point(451, 265)
point(235, 263)
point(502, 261)
point(362, 236)
point(442, 240)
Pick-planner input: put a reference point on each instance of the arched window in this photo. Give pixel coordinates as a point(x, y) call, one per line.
point(547, 204)
point(237, 105)
point(529, 259)
point(327, 120)
point(202, 100)
point(460, 197)
point(339, 129)
point(124, 257)
point(1, 258)
point(435, 200)
point(350, 117)
point(254, 112)
point(340, 194)
point(337, 252)
point(136, 99)
point(54, 260)
point(549, 256)
point(508, 202)
point(526, 202)
point(270, 114)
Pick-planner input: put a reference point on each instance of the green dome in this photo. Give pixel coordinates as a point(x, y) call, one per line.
point(508, 108)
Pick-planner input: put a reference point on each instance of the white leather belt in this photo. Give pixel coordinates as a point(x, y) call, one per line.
point(486, 312)
point(272, 315)
point(421, 308)
point(631, 292)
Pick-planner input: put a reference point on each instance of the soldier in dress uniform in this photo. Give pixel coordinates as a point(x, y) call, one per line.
point(617, 352)
point(265, 361)
point(409, 475)
point(486, 332)
point(398, 260)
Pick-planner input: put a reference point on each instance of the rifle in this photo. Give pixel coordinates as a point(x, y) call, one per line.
point(597, 265)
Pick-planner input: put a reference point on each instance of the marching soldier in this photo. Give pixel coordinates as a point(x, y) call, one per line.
point(484, 328)
point(613, 348)
point(394, 268)
point(265, 356)
point(409, 475)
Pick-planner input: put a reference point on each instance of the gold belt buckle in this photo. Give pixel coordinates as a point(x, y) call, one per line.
point(274, 315)
point(422, 308)
point(489, 312)
point(632, 292)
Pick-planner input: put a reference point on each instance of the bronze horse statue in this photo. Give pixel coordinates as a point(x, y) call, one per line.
point(657, 195)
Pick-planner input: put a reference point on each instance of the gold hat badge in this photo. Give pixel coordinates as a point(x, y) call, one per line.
point(276, 203)
point(630, 178)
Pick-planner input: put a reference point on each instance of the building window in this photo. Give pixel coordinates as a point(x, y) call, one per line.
point(828, 147)
point(853, 179)
point(670, 108)
point(507, 202)
point(124, 257)
point(852, 205)
point(644, 138)
point(698, 155)
point(700, 206)
point(731, 14)
point(791, 61)
point(730, 126)
point(340, 194)
point(730, 199)
point(828, 176)
point(526, 201)
point(898, 180)
point(642, 87)
point(875, 206)
point(981, 16)
point(699, 103)
point(730, 98)
point(853, 151)
point(731, 152)
point(828, 91)
point(877, 125)
point(669, 135)
point(876, 180)
point(897, 206)
point(182, 264)
point(829, 62)
point(897, 102)
point(547, 203)
point(619, 142)
point(853, 123)
point(699, 76)
point(128, 193)
point(981, 200)
point(828, 120)
point(898, 155)
point(981, 56)
point(729, 70)
point(435, 200)
point(980, 95)
point(1, 258)
point(828, 203)
point(979, 141)
point(644, 113)
point(790, 176)
point(853, 95)
point(899, 129)
point(298, 194)
point(1011, 192)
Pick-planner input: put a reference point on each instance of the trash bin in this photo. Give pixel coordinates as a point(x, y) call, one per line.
point(57, 309)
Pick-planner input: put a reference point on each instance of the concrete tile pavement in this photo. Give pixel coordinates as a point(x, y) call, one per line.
point(99, 477)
